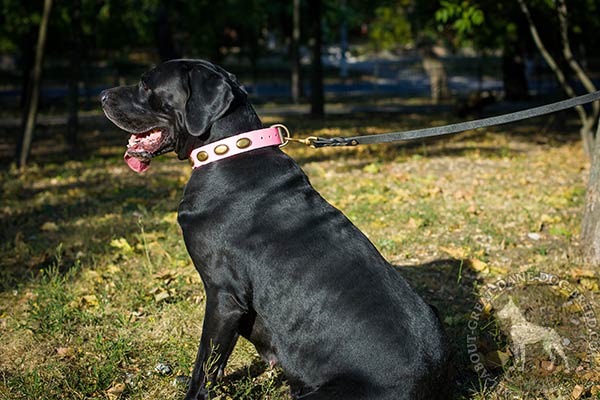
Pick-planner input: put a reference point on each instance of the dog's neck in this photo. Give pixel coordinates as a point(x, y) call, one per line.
point(243, 118)
point(240, 118)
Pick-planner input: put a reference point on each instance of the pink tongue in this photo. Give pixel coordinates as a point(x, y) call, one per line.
point(136, 164)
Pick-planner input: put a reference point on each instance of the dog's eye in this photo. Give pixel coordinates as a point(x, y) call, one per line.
point(144, 86)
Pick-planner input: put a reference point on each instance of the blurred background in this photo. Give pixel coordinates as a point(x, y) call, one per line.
point(461, 55)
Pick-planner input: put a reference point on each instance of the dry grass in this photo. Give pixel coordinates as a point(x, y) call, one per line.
point(97, 287)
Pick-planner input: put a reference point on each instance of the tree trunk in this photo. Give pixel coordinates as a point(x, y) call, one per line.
point(317, 98)
point(438, 78)
point(295, 53)
point(513, 73)
point(164, 35)
point(27, 63)
point(590, 227)
point(24, 148)
point(73, 85)
point(587, 121)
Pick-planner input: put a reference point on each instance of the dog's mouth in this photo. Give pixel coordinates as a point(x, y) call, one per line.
point(144, 146)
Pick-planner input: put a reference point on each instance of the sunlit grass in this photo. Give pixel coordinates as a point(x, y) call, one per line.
point(98, 289)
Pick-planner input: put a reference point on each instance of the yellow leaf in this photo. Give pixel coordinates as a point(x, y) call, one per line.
point(455, 252)
point(113, 269)
point(478, 265)
point(122, 244)
point(577, 392)
point(496, 359)
point(161, 296)
point(581, 272)
point(49, 227)
point(589, 284)
point(371, 168)
point(90, 300)
point(115, 391)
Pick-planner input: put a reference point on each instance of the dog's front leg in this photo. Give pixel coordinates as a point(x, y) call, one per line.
point(219, 334)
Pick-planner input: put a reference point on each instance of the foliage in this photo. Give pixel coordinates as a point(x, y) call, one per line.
point(466, 16)
point(16, 19)
point(390, 28)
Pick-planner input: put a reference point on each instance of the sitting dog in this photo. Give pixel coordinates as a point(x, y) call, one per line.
point(280, 265)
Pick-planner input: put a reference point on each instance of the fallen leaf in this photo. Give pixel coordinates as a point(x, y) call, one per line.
point(496, 359)
point(115, 391)
point(455, 252)
point(478, 265)
point(90, 300)
point(589, 284)
point(414, 223)
point(122, 244)
point(161, 296)
point(577, 392)
point(582, 273)
point(64, 351)
point(49, 227)
point(371, 168)
point(165, 276)
point(113, 269)
point(548, 366)
point(473, 210)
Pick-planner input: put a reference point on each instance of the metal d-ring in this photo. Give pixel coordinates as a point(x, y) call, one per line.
point(286, 138)
point(284, 134)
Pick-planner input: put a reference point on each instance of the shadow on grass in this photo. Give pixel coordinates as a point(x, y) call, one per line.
point(451, 286)
point(76, 221)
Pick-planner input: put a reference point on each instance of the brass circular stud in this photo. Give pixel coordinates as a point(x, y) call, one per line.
point(243, 143)
point(202, 156)
point(221, 149)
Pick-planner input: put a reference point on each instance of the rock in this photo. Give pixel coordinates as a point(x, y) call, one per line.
point(163, 369)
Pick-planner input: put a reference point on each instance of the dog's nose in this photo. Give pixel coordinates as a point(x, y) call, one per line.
point(104, 96)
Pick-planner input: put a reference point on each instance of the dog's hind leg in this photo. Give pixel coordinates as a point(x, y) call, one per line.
point(219, 334)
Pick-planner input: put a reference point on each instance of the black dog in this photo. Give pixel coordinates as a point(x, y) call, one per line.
point(280, 266)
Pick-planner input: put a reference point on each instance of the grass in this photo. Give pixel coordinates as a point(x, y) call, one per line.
point(97, 288)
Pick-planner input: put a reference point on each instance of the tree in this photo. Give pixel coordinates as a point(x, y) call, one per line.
point(590, 227)
point(296, 81)
point(412, 23)
point(317, 98)
point(488, 26)
point(24, 145)
point(587, 119)
point(74, 76)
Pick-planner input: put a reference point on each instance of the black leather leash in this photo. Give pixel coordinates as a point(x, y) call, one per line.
point(318, 142)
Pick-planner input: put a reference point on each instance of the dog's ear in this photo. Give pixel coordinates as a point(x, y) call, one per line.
point(209, 97)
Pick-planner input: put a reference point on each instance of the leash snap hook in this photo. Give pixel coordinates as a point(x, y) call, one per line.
point(286, 137)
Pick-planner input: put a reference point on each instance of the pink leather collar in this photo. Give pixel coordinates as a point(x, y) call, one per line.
point(235, 145)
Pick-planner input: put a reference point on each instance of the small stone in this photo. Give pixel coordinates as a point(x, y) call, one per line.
point(534, 236)
point(163, 369)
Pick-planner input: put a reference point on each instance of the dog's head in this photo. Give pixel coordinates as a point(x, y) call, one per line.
point(172, 108)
